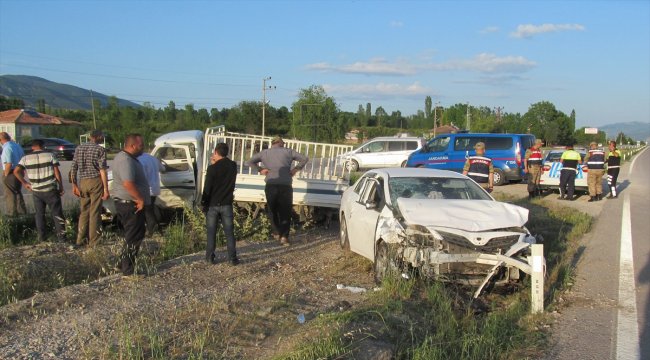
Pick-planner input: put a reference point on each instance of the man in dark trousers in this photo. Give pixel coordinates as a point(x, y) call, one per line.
point(45, 183)
point(218, 195)
point(131, 194)
point(277, 167)
point(11, 155)
point(570, 160)
point(613, 167)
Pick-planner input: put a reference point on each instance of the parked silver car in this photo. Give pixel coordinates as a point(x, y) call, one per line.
point(439, 222)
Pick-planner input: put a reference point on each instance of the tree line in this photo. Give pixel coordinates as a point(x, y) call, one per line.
point(314, 116)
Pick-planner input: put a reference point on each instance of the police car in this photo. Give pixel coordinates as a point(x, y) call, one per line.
point(550, 179)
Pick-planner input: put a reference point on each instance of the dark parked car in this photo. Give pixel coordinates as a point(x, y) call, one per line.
point(63, 149)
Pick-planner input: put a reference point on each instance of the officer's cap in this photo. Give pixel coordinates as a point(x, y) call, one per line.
point(538, 142)
point(593, 143)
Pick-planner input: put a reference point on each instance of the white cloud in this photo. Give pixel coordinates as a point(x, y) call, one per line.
point(486, 63)
point(379, 90)
point(396, 24)
point(489, 29)
point(529, 30)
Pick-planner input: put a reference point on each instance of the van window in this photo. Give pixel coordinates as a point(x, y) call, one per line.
point(498, 143)
point(375, 146)
point(438, 144)
point(465, 143)
point(395, 145)
point(411, 145)
point(527, 142)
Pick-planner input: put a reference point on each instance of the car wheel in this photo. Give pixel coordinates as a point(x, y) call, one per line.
point(344, 240)
point(499, 177)
point(387, 263)
point(404, 163)
point(352, 165)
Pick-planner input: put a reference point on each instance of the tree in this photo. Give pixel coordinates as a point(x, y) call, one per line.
point(368, 111)
point(316, 116)
point(427, 107)
point(380, 114)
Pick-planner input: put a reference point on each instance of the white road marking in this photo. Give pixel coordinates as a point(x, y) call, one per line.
point(627, 332)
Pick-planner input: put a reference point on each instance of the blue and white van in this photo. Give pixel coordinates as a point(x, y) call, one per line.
point(449, 152)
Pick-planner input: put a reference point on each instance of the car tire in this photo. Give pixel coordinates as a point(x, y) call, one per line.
point(404, 163)
point(344, 240)
point(387, 263)
point(499, 177)
point(352, 165)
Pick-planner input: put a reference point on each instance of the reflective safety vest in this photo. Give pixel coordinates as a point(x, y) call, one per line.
point(596, 159)
point(614, 160)
point(570, 160)
point(535, 157)
point(479, 168)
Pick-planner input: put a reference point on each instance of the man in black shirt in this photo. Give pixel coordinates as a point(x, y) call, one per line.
point(217, 202)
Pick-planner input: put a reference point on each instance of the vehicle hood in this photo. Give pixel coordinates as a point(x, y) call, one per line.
point(468, 215)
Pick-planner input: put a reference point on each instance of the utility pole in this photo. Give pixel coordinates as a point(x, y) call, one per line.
point(92, 105)
point(497, 110)
point(469, 116)
point(264, 88)
point(435, 118)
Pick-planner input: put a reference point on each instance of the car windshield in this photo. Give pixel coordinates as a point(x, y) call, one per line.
point(434, 188)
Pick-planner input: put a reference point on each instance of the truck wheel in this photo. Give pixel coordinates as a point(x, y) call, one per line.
point(344, 241)
point(352, 165)
point(387, 262)
point(499, 177)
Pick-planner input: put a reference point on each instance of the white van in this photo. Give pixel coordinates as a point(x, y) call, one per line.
point(382, 152)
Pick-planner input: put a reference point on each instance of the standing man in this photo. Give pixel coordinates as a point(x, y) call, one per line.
point(533, 166)
point(218, 195)
point(613, 166)
point(152, 169)
point(595, 160)
point(131, 195)
point(479, 168)
point(11, 155)
point(46, 185)
point(570, 160)
point(276, 162)
point(90, 184)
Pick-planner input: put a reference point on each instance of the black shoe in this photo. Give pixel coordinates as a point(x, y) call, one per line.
point(571, 198)
point(234, 262)
point(592, 199)
point(211, 260)
point(599, 196)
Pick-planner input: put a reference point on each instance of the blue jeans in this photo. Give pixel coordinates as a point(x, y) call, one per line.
point(224, 214)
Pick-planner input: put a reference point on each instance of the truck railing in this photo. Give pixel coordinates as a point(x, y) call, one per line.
point(325, 160)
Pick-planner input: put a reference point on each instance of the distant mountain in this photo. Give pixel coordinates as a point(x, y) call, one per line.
point(60, 96)
point(636, 130)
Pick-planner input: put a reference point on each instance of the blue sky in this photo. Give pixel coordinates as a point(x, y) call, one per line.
point(591, 56)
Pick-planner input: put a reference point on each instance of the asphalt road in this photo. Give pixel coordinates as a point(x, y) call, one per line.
point(608, 312)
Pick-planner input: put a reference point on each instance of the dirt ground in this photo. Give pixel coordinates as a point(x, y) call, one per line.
point(252, 307)
point(244, 312)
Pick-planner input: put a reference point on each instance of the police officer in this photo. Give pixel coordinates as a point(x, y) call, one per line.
point(613, 165)
point(479, 168)
point(570, 160)
point(595, 160)
point(533, 161)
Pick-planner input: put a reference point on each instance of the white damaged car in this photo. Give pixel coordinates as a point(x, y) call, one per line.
point(437, 222)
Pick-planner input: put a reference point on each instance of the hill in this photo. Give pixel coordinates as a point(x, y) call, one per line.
point(60, 96)
point(636, 130)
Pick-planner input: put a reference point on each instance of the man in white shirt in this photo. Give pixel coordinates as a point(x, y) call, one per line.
point(152, 169)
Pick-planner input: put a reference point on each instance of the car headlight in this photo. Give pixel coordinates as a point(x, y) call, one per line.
point(420, 235)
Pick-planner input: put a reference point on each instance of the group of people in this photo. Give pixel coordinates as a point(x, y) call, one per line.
point(275, 163)
point(596, 162)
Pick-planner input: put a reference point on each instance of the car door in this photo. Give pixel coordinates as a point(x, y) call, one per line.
point(438, 153)
point(372, 155)
point(395, 153)
point(364, 214)
point(178, 181)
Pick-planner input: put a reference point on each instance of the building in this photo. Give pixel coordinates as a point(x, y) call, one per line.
point(25, 123)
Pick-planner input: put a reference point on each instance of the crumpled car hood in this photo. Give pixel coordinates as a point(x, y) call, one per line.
point(468, 215)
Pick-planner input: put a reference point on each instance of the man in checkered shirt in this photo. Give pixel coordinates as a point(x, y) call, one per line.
point(90, 184)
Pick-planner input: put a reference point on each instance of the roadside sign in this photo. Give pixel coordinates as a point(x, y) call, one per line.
point(592, 131)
